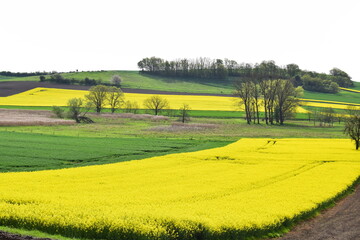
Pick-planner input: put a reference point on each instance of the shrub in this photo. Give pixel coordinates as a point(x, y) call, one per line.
point(58, 111)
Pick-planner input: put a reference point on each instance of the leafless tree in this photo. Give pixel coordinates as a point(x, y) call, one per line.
point(156, 103)
point(115, 98)
point(97, 97)
point(184, 113)
point(244, 90)
point(131, 106)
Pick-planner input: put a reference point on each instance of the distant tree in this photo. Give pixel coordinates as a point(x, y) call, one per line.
point(115, 98)
point(97, 97)
point(57, 77)
point(341, 78)
point(115, 80)
point(131, 106)
point(184, 113)
point(293, 70)
point(156, 103)
point(77, 110)
point(352, 126)
point(42, 78)
point(327, 116)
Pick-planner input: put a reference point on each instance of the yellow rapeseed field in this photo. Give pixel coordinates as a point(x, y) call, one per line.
point(247, 187)
point(326, 104)
point(350, 90)
point(59, 97)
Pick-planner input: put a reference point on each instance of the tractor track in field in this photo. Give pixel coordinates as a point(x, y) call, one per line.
point(14, 87)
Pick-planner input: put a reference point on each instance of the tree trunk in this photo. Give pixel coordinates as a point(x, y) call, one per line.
point(357, 143)
point(266, 114)
point(281, 116)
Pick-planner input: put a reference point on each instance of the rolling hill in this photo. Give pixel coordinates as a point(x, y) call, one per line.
point(136, 80)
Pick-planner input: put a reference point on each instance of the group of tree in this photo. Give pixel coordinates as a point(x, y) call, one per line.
point(23, 74)
point(206, 68)
point(60, 79)
point(98, 97)
point(324, 116)
point(277, 99)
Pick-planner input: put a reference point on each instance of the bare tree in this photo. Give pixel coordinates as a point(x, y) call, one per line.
point(243, 90)
point(156, 103)
point(115, 98)
point(115, 80)
point(327, 115)
point(352, 126)
point(184, 113)
point(256, 93)
point(97, 97)
point(131, 106)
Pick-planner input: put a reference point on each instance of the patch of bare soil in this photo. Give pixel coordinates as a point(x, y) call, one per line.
point(12, 117)
point(15, 87)
point(9, 236)
point(341, 222)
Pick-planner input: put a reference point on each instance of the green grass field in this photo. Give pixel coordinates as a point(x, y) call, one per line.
point(133, 79)
point(23, 79)
point(30, 152)
point(357, 86)
point(201, 129)
point(193, 113)
point(342, 96)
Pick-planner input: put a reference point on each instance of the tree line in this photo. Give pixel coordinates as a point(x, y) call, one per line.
point(101, 96)
point(23, 74)
point(206, 68)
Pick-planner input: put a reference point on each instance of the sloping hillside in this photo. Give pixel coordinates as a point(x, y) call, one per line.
point(136, 80)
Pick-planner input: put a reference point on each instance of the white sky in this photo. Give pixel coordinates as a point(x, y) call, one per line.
point(65, 35)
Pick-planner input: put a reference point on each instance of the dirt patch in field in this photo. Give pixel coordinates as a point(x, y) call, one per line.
point(15, 87)
point(11, 117)
point(9, 236)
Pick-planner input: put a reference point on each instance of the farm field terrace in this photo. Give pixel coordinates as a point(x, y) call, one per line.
point(248, 188)
point(59, 97)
